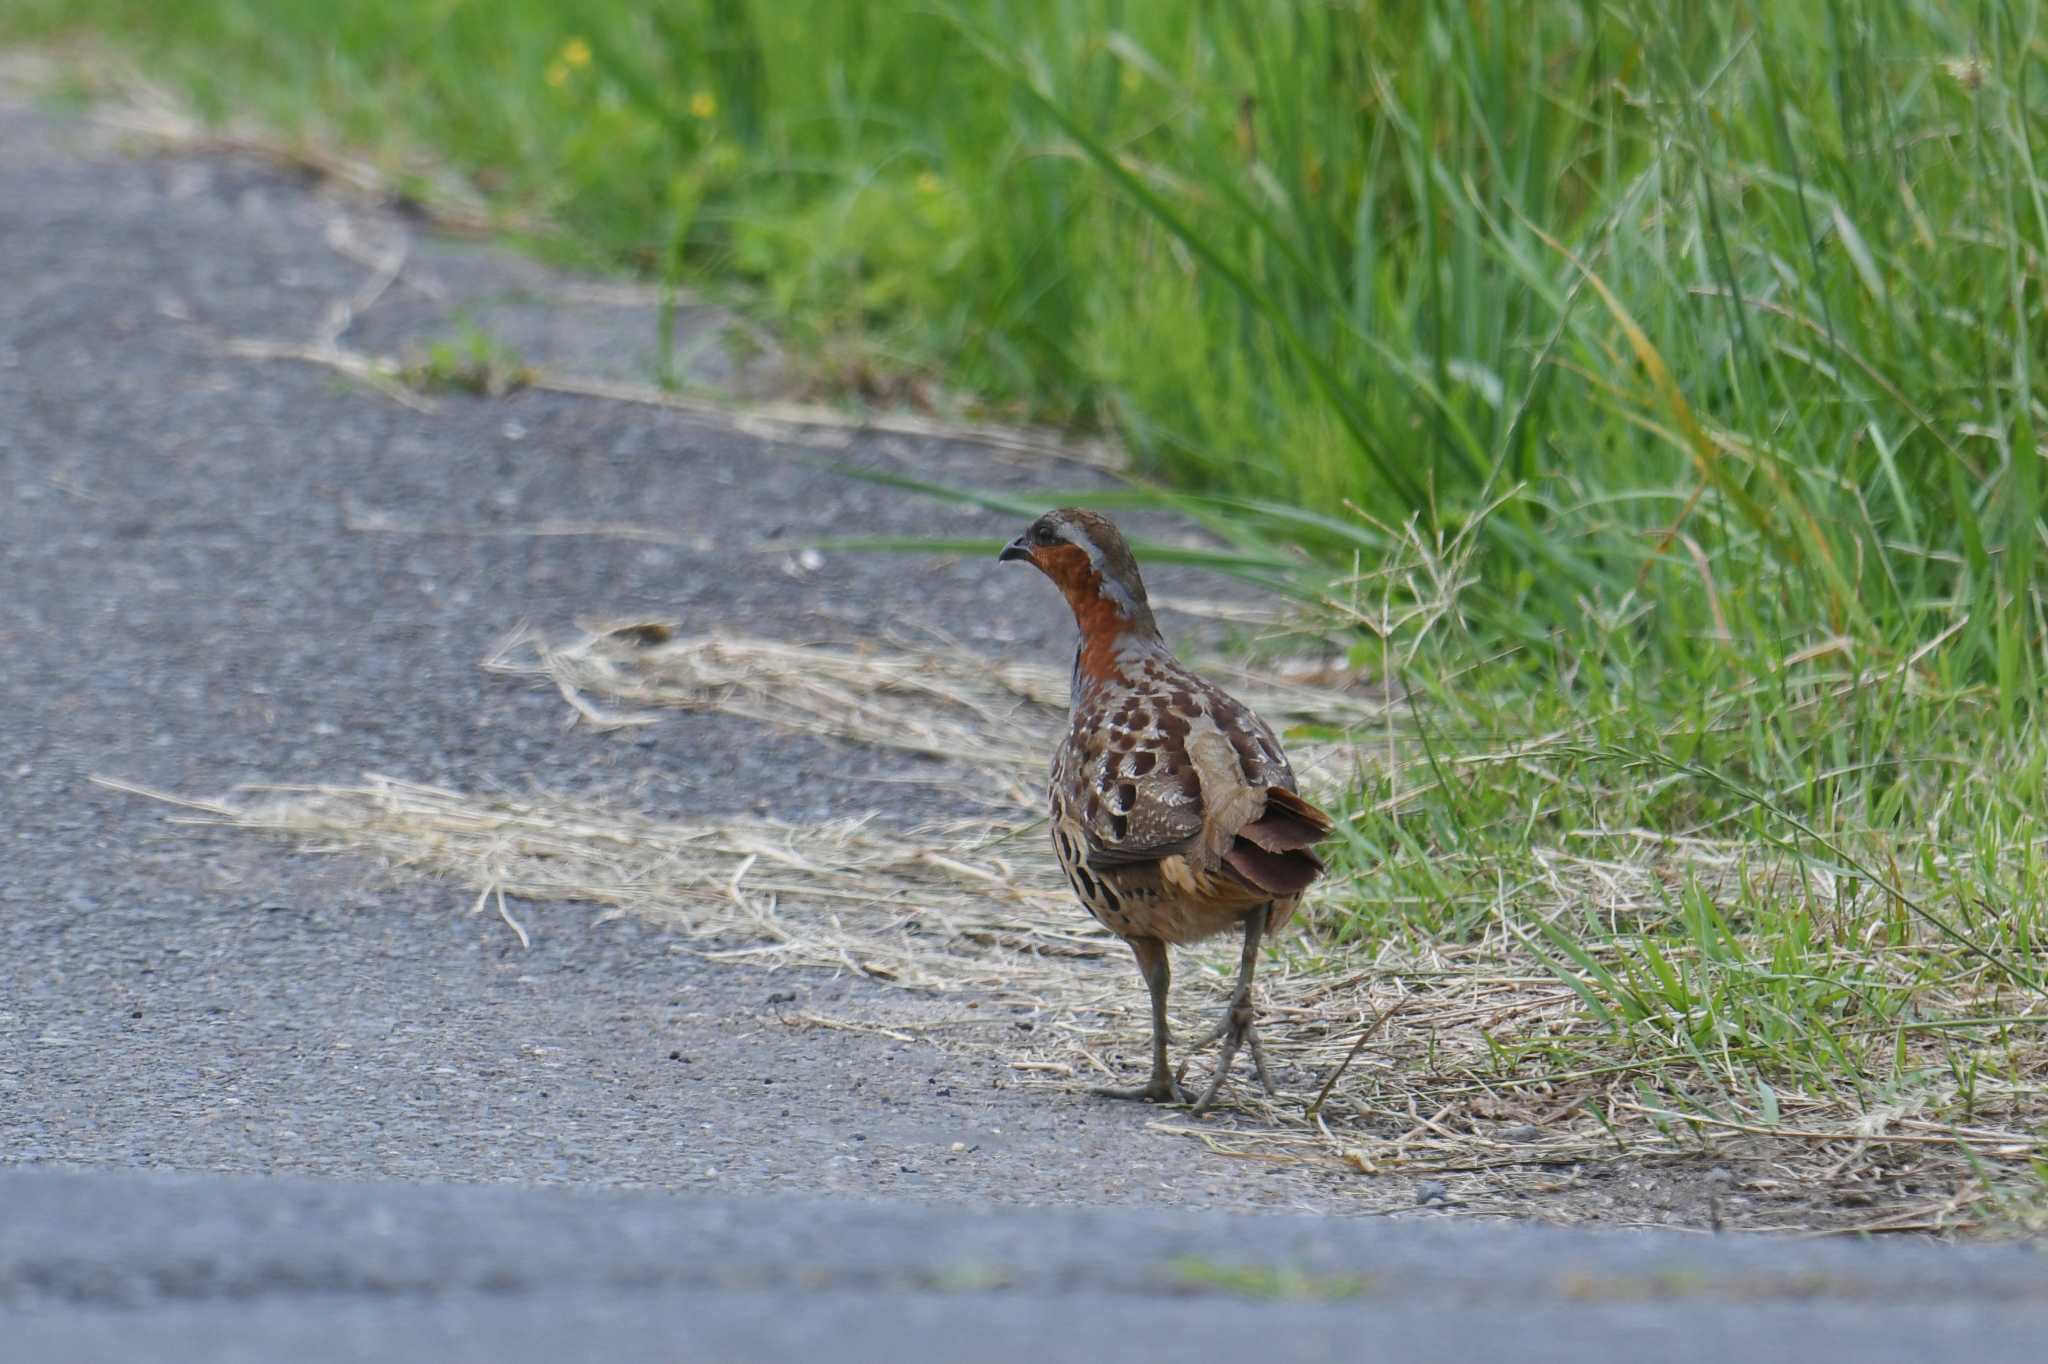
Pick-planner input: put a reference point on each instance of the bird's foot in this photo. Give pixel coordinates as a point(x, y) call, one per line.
point(1239, 1027)
point(1162, 1088)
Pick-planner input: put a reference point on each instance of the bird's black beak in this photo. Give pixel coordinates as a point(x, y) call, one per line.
point(1016, 549)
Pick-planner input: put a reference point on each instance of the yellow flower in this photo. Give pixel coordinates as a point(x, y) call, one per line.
point(576, 52)
point(703, 104)
point(558, 74)
point(928, 183)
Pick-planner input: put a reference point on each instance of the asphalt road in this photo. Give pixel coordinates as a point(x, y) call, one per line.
point(261, 1269)
point(247, 1096)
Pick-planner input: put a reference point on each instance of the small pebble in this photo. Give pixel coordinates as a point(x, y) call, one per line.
point(1431, 1191)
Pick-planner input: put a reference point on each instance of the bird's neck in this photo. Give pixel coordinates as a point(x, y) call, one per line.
point(1112, 638)
point(1114, 618)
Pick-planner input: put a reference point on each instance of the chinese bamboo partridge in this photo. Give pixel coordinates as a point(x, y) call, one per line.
point(1174, 813)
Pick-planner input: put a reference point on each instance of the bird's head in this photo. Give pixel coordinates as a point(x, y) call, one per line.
point(1085, 555)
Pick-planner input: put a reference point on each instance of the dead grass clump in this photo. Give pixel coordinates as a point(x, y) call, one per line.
point(1480, 1062)
point(1002, 717)
point(939, 908)
point(1515, 1021)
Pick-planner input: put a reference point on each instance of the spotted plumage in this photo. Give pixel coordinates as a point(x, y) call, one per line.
point(1174, 813)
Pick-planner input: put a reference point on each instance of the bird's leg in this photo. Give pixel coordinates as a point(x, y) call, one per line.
point(1254, 930)
point(1161, 1088)
point(1239, 1024)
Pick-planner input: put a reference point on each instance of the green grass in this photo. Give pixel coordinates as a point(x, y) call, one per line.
point(1655, 383)
point(472, 362)
point(1810, 901)
point(1732, 310)
point(1283, 1283)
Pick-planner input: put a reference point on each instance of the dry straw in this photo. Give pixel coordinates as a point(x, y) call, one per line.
point(1387, 1058)
point(1002, 718)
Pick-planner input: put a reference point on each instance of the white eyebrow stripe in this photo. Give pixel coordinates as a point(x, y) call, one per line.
point(1110, 588)
point(1118, 593)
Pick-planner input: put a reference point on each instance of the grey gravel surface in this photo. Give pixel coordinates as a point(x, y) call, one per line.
point(189, 599)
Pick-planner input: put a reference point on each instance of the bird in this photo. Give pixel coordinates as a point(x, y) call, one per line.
point(1174, 812)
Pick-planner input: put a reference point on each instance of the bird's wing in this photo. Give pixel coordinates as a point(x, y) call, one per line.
point(1134, 804)
point(1176, 772)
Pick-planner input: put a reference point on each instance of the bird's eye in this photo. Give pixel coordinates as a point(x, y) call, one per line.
point(1043, 535)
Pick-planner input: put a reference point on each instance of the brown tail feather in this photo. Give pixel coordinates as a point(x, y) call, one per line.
point(1288, 824)
point(1276, 873)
